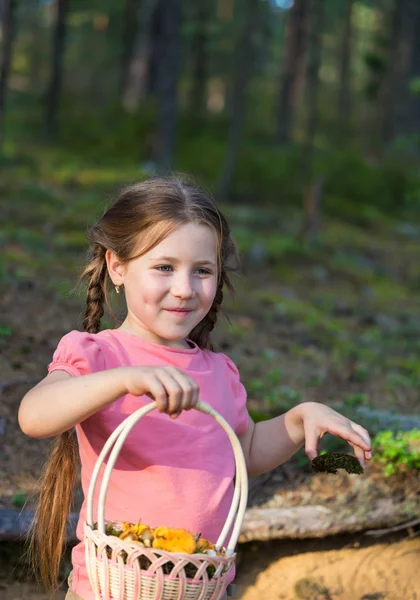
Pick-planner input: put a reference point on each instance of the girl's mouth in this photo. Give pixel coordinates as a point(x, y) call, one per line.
point(179, 313)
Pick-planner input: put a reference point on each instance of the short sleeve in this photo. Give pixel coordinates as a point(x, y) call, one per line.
point(239, 395)
point(78, 353)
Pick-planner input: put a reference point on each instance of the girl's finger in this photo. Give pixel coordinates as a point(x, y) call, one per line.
point(360, 455)
point(189, 389)
point(158, 393)
point(174, 392)
point(311, 443)
point(347, 433)
point(365, 435)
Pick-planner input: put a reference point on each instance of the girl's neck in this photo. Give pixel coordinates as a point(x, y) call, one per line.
point(171, 343)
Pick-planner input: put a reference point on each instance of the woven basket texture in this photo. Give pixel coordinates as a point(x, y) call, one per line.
point(125, 571)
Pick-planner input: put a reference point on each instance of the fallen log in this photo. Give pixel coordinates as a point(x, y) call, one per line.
point(318, 521)
point(14, 525)
point(262, 523)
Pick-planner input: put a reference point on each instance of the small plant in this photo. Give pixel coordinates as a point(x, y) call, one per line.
point(19, 499)
point(266, 388)
point(5, 331)
point(355, 400)
point(397, 452)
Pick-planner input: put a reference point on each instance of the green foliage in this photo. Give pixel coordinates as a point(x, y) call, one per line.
point(274, 395)
point(87, 133)
point(271, 173)
point(355, 400)
point(397, 452)
point(258, 416)
point(374, 61)
point(351, 178)
point(19, 499)
point(415, 86)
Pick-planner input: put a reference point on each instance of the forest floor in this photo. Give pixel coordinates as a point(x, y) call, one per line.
point(338, 568)
point(336, 323)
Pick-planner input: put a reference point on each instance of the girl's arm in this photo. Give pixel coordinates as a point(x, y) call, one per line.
point(268, 444)
point(60, 401)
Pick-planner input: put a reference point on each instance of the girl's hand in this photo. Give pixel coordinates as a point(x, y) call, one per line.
point(318, 419)
point(172, 389)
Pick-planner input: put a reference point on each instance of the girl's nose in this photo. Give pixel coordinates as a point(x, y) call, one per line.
point(182, 287)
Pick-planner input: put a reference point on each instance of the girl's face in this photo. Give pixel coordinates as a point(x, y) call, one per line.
point(171, 288)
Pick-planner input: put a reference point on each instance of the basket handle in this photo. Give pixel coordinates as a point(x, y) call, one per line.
point(117, 439)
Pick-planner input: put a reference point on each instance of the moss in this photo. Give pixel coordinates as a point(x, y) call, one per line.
point(332, 461)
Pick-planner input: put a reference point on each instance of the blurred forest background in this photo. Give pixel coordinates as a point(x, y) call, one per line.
point(303, 119)
point(266, 97)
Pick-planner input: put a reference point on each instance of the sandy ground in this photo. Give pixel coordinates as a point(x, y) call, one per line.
point(380, 571)
point(298, 571)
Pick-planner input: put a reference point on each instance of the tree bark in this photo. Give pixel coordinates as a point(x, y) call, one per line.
point(129, 33)
point(397, 94)
point(8, 22)
point(313, 191)
point(312, 85)
point(168, 71)
point(200, 58)
point(35, 59)
point(138, 71)
point(293, 55)
point(238, 104)
point(344, 93)
point(372, 118)
point(54, 88)
point(410, 122)
point(156, 36)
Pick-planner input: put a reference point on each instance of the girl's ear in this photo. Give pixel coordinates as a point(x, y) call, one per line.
point(115, 267)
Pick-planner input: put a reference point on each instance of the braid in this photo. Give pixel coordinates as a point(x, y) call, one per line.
point(201, 332)
point(96, 272)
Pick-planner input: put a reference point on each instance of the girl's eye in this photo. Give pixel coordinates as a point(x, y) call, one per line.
point(166, 269)
point(204, 271)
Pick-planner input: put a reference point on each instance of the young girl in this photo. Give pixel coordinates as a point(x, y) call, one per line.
point(167, 248)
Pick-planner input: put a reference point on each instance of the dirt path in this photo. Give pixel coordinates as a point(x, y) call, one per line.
point(308, 570)
point(382, 571)
point(25, 591)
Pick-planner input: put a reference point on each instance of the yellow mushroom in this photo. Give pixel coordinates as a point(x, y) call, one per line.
point(174, 540)
point(203, 545)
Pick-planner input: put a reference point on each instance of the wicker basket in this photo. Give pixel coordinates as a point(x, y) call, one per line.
point(114, 565)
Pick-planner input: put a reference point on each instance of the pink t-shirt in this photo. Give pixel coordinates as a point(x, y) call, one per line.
point(176, 473)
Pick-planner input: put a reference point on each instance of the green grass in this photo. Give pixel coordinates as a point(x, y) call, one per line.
point(347, 305)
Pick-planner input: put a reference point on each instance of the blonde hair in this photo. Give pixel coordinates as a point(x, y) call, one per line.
point(139, 219)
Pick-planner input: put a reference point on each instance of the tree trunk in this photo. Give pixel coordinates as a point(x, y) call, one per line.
point(225, 10)
point(200, 58)
point(312, 190)
point(371, 122)
point(54, 88)
point(167, 81)
point(129, 33)
point(238, 104)
point(8, 22)
point(344, 93)
point(156, 36)
point(410, 119)
point(312, 85)
point(35, 59)
point(293, 55)
point(138, 71)
point(397, 94)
